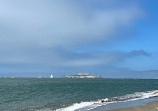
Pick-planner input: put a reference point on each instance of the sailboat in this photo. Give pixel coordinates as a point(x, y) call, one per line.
point(51, 76)
point(39, 77)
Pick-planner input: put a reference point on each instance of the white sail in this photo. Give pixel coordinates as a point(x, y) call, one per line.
point(51, 76)
point(39, 77)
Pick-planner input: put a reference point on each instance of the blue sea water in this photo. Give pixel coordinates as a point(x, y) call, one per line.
point(44, 94)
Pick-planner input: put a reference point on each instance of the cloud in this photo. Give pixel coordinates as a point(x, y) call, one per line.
point(60, 23)
point(105, 58)
point(50, 32)
point(138, 53)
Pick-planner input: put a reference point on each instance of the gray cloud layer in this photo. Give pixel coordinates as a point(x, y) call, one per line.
point(50, 32)
point(138, 53)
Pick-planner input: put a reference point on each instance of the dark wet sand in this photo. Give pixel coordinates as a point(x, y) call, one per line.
point(153, 106)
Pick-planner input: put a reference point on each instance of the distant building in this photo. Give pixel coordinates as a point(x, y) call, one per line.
point(81, 75)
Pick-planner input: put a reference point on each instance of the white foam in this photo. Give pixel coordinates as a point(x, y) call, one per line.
point(77, 106)
point(85, 106)
point(145, 95)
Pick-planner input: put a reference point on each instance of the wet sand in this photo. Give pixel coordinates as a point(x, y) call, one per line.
point(153, 106)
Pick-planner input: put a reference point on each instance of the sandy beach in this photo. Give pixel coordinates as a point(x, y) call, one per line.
point(153, 106)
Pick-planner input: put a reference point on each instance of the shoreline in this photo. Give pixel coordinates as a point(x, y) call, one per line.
point(152, 106)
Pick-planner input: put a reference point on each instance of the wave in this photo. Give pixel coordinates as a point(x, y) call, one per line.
point(85, 106)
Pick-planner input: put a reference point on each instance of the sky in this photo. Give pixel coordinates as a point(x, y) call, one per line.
point(39, 37)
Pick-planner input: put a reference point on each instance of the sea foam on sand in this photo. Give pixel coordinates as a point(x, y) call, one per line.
point(85, 106)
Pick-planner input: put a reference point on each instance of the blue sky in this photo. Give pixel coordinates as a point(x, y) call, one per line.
point(39, 37)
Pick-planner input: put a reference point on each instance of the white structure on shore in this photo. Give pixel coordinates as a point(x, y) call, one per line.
point(51, 76)
point(81, 75)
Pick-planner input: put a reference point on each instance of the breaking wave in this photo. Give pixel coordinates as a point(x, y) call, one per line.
point(85, 106)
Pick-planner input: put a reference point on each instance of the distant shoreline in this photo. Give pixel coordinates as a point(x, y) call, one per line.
point(75, 78)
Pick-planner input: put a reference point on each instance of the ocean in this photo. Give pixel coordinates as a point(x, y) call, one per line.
point(61, 94)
